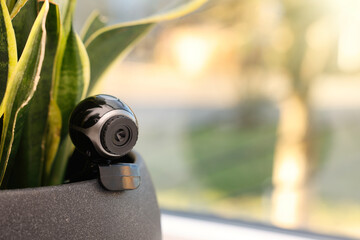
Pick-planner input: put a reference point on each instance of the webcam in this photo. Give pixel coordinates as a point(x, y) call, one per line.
point(105, 130)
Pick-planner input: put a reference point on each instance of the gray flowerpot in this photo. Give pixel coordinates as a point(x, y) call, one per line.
point(82, 210)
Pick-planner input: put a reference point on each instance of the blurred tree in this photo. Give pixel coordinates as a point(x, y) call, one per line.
point(312, 35)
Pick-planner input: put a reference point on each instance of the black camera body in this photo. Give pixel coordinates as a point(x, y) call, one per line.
point(103, 127)
point(105, 130)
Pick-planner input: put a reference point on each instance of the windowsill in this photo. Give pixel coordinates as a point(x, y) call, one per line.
point(188, 226)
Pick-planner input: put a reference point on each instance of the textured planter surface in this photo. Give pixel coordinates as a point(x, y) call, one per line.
point(82, 210)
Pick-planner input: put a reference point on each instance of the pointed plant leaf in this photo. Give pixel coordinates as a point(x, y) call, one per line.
point(8, 54)
point(19, 4)
point(66, 8)
point(21, 89)
point(92, 24)
point(111, 45)
point(75, 77)
point(31, 153)
point(23, 23)
point(114, 42)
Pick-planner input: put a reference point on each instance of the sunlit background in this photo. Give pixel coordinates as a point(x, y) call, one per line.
point(249, 109)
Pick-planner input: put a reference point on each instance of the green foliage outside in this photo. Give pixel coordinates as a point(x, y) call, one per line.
point(234, 161)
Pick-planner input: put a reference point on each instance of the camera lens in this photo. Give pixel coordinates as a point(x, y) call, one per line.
point(122, 136)
point(119, 135)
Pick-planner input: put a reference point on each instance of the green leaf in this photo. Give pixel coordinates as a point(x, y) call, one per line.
point(114, 42)
point(23, 23)
point(8, 54)
point(21, 89)
point(71, 84)
point(67, 7)
point(111, 45)
point(75, 77)
point(30, 158)
point(94, 22)
point(19, 4)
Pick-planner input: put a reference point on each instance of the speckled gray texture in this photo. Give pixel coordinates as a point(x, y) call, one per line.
point(81, 210)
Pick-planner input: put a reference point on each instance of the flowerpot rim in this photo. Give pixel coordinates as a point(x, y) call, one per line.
point(81, 210)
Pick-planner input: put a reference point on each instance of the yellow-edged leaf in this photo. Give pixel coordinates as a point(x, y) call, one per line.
point(31, 153)
point(20, 91)
point(23, 23)
point(94, 22)
point(18, 5)
point(8, 53)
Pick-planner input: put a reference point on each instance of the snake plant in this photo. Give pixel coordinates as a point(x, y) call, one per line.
point(46, 68)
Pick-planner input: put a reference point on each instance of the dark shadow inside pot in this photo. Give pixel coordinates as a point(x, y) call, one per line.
point(80, 168)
